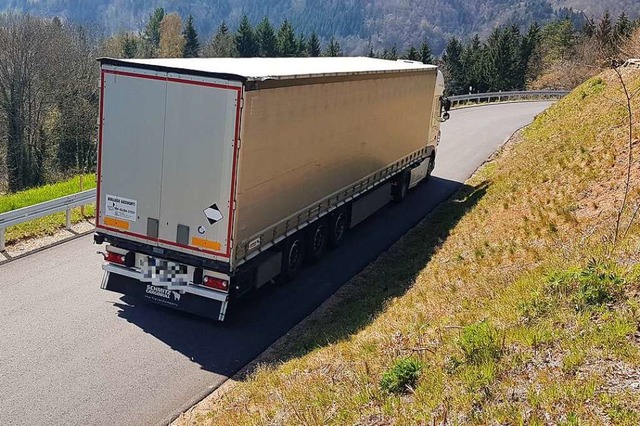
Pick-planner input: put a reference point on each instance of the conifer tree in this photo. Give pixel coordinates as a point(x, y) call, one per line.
point(559, 38)
point(301, 45)
point(529, 51)
point(223, 44)
point(412, 54)
point(129, 46)
point(287, 46)
point(191, 43)
point(151, 32)
point(604, 33)
point(589, 28)
point(425, 53)
point(246, 41)
point(267, 39)
point(371, 53)
point(333, 49)
point(472, 65)
point(453, 66)
point(314, 48)
point(624, 28)
point(393, 53)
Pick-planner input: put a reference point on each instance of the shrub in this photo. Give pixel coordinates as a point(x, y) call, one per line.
point(402, 376)
point(595, 285)
point(598, 284)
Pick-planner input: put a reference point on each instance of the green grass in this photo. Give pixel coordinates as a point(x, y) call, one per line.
point(480, 343)
point(49, 224)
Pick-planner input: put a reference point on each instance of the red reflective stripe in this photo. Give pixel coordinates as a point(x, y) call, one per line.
point(99, 176)
point(233, 175)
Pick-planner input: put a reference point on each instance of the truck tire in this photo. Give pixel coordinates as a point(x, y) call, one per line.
point(432, 165)
point(317, 236)
point(401, 187)
point(292, 256)
point(338, 227)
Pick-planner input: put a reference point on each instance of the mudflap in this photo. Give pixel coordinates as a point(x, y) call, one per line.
point(198, 305)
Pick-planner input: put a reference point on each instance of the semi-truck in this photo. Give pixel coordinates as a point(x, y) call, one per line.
point(217, 176)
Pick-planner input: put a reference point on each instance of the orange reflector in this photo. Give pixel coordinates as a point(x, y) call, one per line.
point(206, 244)
point(116, 223)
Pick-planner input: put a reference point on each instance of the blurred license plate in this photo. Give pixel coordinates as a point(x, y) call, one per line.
point(164, 270)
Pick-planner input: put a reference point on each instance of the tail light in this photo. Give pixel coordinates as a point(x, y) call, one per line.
point(216, 283)
point(115, 258)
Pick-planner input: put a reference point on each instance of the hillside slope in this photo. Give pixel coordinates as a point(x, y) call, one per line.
point(513, 305)
point(382, 21)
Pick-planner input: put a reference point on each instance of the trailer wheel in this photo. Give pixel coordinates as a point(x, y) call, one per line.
point(317, 240)
point(338, 227)
point(432, 165)
point(292, 257)
point(401, 187)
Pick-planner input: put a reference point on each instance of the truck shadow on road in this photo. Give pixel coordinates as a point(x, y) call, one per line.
point(257, 321)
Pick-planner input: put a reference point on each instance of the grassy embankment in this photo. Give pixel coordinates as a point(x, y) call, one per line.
point(508, 305)
point(49, 224)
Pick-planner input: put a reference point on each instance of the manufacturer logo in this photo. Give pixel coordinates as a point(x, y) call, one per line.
point(162, 292)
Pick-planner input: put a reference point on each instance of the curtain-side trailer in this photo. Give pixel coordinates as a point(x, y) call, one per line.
point(217, 176)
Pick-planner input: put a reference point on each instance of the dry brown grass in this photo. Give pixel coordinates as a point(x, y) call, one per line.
point(511, 250)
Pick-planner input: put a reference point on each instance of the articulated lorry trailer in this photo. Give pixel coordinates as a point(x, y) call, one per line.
point(217, 176)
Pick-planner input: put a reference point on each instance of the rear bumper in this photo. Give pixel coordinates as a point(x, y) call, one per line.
point(183, 297)
point(130, 244)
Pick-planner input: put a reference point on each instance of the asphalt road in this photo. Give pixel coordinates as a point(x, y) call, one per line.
point(73, 354)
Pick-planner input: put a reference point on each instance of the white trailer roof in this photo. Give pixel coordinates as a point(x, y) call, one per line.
point(278, 68)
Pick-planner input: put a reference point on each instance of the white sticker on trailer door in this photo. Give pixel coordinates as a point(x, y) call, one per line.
point(122, 208)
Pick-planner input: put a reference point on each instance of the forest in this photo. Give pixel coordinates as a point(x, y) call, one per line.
point(354, 23)
point(48, 73)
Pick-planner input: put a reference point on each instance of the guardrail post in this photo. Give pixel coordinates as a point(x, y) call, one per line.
point(2, 239)
point(68, 213)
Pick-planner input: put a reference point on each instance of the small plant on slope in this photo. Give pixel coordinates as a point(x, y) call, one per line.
point(402, 376)
point(480, 343)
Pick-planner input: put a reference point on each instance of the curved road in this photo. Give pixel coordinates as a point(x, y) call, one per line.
point(73, 354)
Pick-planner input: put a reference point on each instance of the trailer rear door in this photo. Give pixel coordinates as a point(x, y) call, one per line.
point(167, 163)
point(198, 168)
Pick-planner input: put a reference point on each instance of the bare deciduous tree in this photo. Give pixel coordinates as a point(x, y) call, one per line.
point(27, 75)
point(48, 99)
point(76, 101)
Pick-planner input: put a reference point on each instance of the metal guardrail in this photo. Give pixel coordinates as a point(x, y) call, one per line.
point(501, 96)
point(26, 214)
